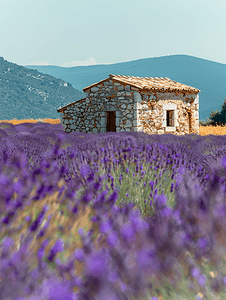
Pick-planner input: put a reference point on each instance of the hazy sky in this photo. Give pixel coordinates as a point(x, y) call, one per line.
point(88, 32)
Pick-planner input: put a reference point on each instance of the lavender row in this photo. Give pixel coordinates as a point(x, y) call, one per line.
point(134, 250)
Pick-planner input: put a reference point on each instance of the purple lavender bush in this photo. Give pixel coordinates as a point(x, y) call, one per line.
point(109, 218)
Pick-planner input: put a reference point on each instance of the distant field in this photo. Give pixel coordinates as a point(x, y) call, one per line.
point(15, 122)
point(204, 130)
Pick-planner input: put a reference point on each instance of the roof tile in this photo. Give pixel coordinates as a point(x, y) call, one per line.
point(150, 83)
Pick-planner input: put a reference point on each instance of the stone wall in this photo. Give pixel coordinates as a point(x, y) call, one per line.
point(134, 111)
point(151, 112)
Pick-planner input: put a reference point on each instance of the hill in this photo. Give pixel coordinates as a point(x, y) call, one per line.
point(27, 93)
point(206, 75)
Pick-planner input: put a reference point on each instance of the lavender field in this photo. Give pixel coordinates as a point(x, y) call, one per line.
point(117, 216)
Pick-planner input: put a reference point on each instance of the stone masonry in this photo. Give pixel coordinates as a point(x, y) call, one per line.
point(154, 105)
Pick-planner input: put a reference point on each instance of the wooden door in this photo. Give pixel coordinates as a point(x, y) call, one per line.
point(111, 126)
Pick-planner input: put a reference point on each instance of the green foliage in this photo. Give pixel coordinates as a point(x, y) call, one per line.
point(134, 185)
point(218, 118)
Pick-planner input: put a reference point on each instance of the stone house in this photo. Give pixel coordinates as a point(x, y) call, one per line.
point(154, 105)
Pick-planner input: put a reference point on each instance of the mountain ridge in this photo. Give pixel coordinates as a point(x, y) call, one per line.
point(206, 75)
point(27, 93)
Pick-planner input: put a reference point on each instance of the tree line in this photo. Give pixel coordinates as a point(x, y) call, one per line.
point(216, 118)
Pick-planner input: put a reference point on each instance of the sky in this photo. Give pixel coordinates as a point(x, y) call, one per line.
point(90, 32)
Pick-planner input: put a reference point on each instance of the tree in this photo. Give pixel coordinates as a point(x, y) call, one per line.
point(217, 118)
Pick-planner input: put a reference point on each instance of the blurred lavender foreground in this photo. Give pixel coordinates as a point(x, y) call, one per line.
point(111, 216)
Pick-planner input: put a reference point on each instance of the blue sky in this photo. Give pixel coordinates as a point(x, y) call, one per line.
point(86, 32)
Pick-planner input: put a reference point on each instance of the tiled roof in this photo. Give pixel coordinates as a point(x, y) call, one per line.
point(150, 83)
point(161, 84)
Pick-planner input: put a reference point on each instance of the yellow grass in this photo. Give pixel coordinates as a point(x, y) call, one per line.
point(15, 122)
point(218, 130)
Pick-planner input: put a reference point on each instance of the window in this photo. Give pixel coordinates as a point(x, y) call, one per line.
point(170, 118)
point(189, 120)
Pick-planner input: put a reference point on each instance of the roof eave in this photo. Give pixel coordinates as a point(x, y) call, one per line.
point(117, 80)
point(94, 84)
point(64, 107)
point(170, 90)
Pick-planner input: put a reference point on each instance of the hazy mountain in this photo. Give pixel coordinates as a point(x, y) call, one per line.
point(208, 76)
point(26, 93)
